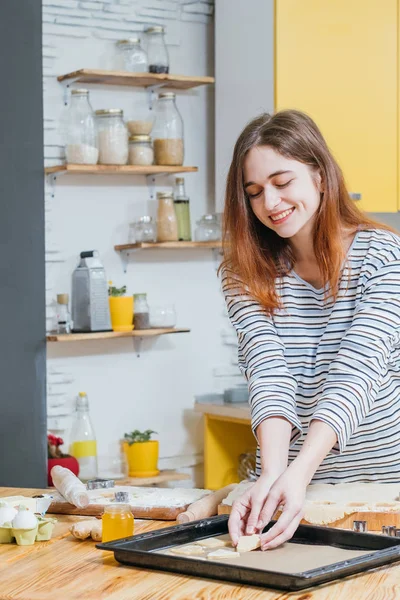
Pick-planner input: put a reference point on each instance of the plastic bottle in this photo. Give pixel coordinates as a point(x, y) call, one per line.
point(83, 439)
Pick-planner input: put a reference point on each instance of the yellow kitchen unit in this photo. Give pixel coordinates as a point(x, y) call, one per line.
point(227, 435)
point(337, 60)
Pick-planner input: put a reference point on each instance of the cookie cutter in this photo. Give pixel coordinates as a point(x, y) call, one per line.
point(121, 497)
point(99, 484)
point(360, 526)
point(390, 530)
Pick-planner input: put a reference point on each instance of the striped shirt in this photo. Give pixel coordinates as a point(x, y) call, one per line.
point(336, 362)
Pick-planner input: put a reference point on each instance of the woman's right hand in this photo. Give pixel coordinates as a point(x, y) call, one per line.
point(246, 510)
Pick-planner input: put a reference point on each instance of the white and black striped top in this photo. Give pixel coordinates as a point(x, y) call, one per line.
point(339, 363)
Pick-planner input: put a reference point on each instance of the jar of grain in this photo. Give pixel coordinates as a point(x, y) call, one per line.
point(140, 150)
point(131, 56)
point(113, 137)
point(79, 130)
point(157, 50)
point(168, 132)
point(167, 225)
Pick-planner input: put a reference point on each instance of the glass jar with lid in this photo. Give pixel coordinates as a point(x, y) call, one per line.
point(141, 318)
point(168, 132)
point(146, 229)
point(141, 116)
point(113, 137)
point(79, 130)
point(140, 150)
point(208, 229)
point(131, 56)
point(157, 52)
point(117, 522)
point(167, 225)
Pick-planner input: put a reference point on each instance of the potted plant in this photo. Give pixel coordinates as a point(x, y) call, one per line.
point(56, 457)
point(141, 453)
point(121, 308)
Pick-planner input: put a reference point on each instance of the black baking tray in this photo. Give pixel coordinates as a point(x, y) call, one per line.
point(143, 551)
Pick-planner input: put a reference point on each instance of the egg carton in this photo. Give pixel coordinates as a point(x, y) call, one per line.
point(38, 504)
point(27, 537)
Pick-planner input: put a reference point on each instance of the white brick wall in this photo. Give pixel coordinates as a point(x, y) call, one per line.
point(83, 212)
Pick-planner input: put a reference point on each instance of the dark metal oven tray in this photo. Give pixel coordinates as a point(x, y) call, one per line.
point(144, 551)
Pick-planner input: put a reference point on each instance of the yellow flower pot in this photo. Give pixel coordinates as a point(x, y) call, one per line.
point(142, 458)
point(121, 312)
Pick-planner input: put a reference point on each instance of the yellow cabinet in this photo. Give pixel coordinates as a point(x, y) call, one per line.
point(337, 60)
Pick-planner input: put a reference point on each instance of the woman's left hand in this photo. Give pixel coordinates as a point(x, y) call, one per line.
point(288, 491)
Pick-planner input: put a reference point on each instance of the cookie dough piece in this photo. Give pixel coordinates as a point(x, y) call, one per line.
point(247, 543)
point(222, 553)
point(191, 550)
point(212, 543)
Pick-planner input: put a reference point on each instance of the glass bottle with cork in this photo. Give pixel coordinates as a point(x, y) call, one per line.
point(167, 132)
point(141, 319)
point(83, 439)
point(182, 210)
point(64, 322)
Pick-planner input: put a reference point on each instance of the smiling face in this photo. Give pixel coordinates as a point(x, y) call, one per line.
point(284, 193)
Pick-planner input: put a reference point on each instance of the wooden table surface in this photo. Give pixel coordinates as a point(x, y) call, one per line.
point(67, 569)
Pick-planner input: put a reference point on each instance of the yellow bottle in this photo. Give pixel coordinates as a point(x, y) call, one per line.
point(117, 521)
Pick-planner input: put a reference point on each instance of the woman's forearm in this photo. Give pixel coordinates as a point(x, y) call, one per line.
point(319, 441)
point(273, 436)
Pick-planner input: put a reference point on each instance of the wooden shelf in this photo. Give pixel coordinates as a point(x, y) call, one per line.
point(118, 169)
point(176, 82)
point(103, 335)
point(167, 245)
point(162, 477)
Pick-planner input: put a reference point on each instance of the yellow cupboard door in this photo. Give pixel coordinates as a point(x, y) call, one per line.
point(337, 61)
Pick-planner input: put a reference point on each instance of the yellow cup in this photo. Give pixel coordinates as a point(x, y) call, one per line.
point(121, 312)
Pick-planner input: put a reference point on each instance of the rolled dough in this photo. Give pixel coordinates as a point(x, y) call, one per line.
point(326, 503)
point(191, 550)
point(223, 553)
point(247, 543)
point(212, 543)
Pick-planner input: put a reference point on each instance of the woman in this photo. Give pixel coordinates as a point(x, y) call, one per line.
point(313, 290)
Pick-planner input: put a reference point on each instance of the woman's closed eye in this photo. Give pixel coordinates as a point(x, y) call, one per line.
point(283, 185)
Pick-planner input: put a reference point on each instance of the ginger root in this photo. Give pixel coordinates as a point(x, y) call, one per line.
point(84, 529)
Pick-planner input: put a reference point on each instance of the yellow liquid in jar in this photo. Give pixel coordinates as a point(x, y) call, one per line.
point(117, 525)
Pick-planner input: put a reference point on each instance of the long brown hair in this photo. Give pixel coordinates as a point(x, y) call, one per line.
point(254, 255)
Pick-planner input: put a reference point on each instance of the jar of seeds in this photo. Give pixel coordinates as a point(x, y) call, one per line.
point(141, 318)
point(168, 132)
point(113, 137)
point(157, 50)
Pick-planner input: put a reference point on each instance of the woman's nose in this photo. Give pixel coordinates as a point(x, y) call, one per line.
point(271, 198)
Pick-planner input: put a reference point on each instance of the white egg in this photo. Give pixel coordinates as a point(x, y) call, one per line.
point(24, 519)
point(7, 513)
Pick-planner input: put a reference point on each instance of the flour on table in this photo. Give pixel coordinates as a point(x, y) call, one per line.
point(143, 497)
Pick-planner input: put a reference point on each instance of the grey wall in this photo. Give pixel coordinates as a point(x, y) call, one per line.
point(244, 75)
point(22, 275)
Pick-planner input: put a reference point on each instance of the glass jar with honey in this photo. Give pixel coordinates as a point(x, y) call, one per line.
point(117, 521)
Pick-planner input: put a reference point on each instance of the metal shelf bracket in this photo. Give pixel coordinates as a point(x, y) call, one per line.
point(151, 184)
point(151, 93)
point(137, 345)
point(51, 182)
point(67, 89)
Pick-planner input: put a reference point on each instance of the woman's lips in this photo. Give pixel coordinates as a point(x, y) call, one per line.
point(281, 219)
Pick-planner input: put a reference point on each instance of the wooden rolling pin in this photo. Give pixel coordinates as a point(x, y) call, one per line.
point(206, 506)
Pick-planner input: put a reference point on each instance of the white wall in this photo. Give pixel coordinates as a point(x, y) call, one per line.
point(244, 72)
point(91, 212)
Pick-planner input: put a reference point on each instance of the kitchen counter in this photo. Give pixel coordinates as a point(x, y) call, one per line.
point(71, 569)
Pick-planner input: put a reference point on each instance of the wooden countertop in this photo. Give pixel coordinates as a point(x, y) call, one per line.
point(68, 569)
point(237, 411)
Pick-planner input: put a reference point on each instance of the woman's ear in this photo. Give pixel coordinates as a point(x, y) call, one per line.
point(319, 182)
